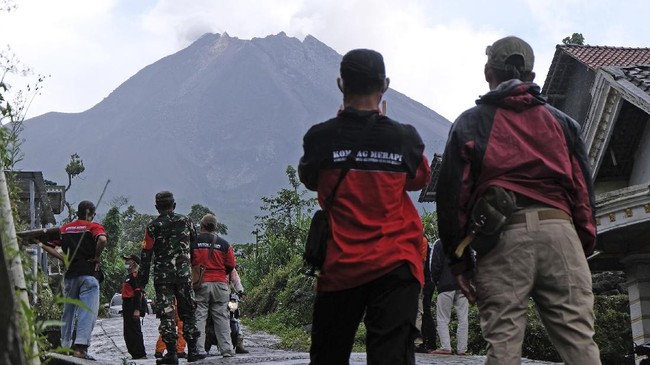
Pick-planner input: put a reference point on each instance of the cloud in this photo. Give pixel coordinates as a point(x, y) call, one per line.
point(434, 50)
point(429, 62)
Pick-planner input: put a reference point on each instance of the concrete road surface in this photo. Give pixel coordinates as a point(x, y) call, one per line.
point(109, 349)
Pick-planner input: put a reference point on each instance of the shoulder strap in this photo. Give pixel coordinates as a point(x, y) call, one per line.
point(214, 240)
point(351, 157)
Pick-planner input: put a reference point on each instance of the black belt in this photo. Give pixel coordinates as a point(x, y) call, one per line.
point(541, 215)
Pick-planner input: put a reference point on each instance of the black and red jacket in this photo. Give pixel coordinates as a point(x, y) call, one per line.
point(375, 226)
point(130, 290)
point(515, 140)
point(79, 241)
point(220, 263)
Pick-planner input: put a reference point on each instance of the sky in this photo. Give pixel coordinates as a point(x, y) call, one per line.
point(434, 50)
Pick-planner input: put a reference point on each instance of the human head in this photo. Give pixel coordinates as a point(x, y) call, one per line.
point(209, 222)
point(165, 201)
point(86, 210)
point(509, 58)
point(132, 258)
point(362, 73)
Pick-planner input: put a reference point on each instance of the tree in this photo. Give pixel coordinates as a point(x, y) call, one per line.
point(20, 317)
point(430, 224)
point(286, 211)
point(575, 39)
point(12, 115)
point(280, 232)
point(73, 169)
point(134, 225)
point(111, 258)
point(198, 211)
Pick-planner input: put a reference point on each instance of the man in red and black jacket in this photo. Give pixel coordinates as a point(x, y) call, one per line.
point(514, 140)
point(132, 309)
point(218, 258)
point(373, 263)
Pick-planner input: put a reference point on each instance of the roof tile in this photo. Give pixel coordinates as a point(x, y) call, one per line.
point(639, 76)
point(598, 56)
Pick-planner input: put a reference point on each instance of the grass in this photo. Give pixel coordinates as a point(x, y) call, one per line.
point(294, 338)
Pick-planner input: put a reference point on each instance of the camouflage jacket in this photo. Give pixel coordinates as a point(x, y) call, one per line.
point(167, 242)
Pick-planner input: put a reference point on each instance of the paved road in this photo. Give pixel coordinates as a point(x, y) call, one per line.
point(109, 349)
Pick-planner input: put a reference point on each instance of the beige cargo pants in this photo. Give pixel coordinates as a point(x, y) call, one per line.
point(542, 259)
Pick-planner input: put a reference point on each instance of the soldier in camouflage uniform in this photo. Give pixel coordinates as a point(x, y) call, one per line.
point(167, 241)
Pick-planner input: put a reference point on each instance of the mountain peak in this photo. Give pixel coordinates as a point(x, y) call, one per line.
point(216, 123)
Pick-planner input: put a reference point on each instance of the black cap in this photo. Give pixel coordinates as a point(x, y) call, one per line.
point(133, 257)
point(164, 198)
point(364, 64)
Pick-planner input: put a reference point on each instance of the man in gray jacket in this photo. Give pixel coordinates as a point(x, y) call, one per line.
point(449, 295)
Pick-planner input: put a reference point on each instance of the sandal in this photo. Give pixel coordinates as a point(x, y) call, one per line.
point(81, 352)
point(83, 355)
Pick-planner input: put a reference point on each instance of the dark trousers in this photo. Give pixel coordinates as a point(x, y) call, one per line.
point(132, 330)
point(390, 304)
point(428, 324)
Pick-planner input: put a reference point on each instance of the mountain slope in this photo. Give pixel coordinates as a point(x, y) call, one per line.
point(216, 123)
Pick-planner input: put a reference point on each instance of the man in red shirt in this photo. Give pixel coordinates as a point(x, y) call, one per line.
point(82, 241)
point(373, 263)
point(213, 296)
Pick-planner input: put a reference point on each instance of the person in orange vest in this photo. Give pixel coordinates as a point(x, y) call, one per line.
point(180, 343)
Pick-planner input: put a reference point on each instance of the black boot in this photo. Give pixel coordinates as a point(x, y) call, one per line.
point(193, 353)
point(170, 357)
point(239, 346)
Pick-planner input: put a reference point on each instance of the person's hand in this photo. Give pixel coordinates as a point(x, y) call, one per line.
point(467, 288)
point(242, 295)
point(136, 314)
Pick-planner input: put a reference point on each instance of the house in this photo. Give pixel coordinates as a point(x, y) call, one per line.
point(607, 90)
point(39, 202)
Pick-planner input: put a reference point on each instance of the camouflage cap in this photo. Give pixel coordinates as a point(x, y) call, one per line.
point(364, 64)
point(209, 221)
point(164, 198)
point(500, 50)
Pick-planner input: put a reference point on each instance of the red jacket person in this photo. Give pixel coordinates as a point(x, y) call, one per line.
point(512, 143)
point(373, 263)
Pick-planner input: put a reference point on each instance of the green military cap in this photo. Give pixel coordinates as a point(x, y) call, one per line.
point(500, 50)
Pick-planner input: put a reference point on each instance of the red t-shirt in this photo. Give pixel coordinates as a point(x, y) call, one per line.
point(79, 241)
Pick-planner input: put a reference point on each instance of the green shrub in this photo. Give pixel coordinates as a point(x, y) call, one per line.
point(537, 345)
point(613, 329)
point(613, 332)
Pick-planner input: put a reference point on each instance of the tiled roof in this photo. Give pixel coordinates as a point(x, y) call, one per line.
point(639, 76)
point(598, 56)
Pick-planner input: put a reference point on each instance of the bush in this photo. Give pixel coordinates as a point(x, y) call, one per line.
point(613, 329)
point(612, 324)
point(286, 291)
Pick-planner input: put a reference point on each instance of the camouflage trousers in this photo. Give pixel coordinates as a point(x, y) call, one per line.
point(166, 309)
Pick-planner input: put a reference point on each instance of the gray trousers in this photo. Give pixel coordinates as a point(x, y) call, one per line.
point(212, 299)
point(446, 301)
